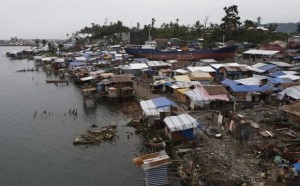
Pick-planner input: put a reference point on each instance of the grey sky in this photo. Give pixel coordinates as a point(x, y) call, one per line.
point(52, 19)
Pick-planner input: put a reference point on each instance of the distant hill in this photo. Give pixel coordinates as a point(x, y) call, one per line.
point(286, 27)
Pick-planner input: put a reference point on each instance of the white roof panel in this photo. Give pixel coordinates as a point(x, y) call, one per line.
point(217, 66)
point(202, 69)
point(293, 92)
point(180, 122)
point(281, 64)
point(261, 52)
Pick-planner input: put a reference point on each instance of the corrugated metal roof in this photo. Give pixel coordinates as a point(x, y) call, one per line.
point(267, 67)
point(157, 176)
point(155, 166)
point(251, 88)
point(181, 71)
point(134, 66)
point(257, 65)
point(249, 81)
point(184, 84)
point(200, 95)
point(202, 69)
point(154, 106)
point(215, 89)
point(157, 63)
point(229, 82)
point(197, 76)
point(261, 52)
point(276, 81)
point(293, 92)
point(281, 64)
point(182, 78)
point(290, 77)
point(180, 122)
point(217, 66)
point(293, 108)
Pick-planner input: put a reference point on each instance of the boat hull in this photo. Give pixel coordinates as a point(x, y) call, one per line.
point(152, 54)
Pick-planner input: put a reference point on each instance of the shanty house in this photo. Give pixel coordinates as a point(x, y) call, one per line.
point(247, 92)
point(157, 65)
point(293, 112)
point(133, 68)
point(203, 77)
point(202, 96)
point(180, 128)
point(155, 110)
point(256, 55)
point(155, 166)
point(231, 71)
point(115, 84)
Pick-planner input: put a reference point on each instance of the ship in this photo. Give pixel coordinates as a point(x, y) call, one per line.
point(149, 51)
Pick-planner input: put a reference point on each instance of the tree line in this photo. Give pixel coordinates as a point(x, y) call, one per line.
point(231, 28)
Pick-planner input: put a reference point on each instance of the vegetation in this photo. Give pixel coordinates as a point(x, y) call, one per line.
point(231, 28)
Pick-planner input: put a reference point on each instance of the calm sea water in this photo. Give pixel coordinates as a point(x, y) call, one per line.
point(38, 151)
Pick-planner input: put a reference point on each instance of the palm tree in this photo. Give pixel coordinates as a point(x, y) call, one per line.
point(152, 23)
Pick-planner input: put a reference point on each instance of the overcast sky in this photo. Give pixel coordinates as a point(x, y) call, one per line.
point(53, 19)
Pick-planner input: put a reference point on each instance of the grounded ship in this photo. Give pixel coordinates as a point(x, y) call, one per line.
point(148, 51)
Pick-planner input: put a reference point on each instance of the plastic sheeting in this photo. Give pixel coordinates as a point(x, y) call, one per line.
point(181, 122)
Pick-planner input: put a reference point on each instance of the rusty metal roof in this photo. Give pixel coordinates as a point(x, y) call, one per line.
point(215, 89)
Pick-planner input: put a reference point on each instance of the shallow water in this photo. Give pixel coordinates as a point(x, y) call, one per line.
point(39, 150)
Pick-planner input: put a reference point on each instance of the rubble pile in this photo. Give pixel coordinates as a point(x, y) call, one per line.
point(96, 135)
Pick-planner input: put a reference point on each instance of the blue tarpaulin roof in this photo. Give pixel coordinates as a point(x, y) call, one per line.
point(296, 57)
point(297, 166)
point(229, 82)
point(278, 73)
point(276, 81)
point(251, 88)
point(168, 83)
point(267, 67)
point(162, 102)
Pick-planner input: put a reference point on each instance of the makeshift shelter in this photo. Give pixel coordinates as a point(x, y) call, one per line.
point(182, 78)
point(155, 166)
point(291, 92)
point(248, 92)
point(262, 68)
point(203, 77)
point(157, 65)
point(255, 54)
point(133, 68)
point(157, 109)
point(181, 127)
point(293, 112)
point(202, 96)
point(201, 69)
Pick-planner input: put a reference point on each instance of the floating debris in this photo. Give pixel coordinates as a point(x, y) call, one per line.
point(95, 136)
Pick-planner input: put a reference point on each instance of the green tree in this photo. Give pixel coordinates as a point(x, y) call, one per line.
point(298, 28)
point(37, 42)
point(248, 24)
point(231, 21)
point(44, 42)
point(258, 21)
point(152, 22)
point(272, 27)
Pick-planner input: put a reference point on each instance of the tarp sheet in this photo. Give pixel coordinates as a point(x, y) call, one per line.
point(181, 122)
point(251, 88)
point(229, 82)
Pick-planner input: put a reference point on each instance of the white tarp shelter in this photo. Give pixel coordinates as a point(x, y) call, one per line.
point(180, 122)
